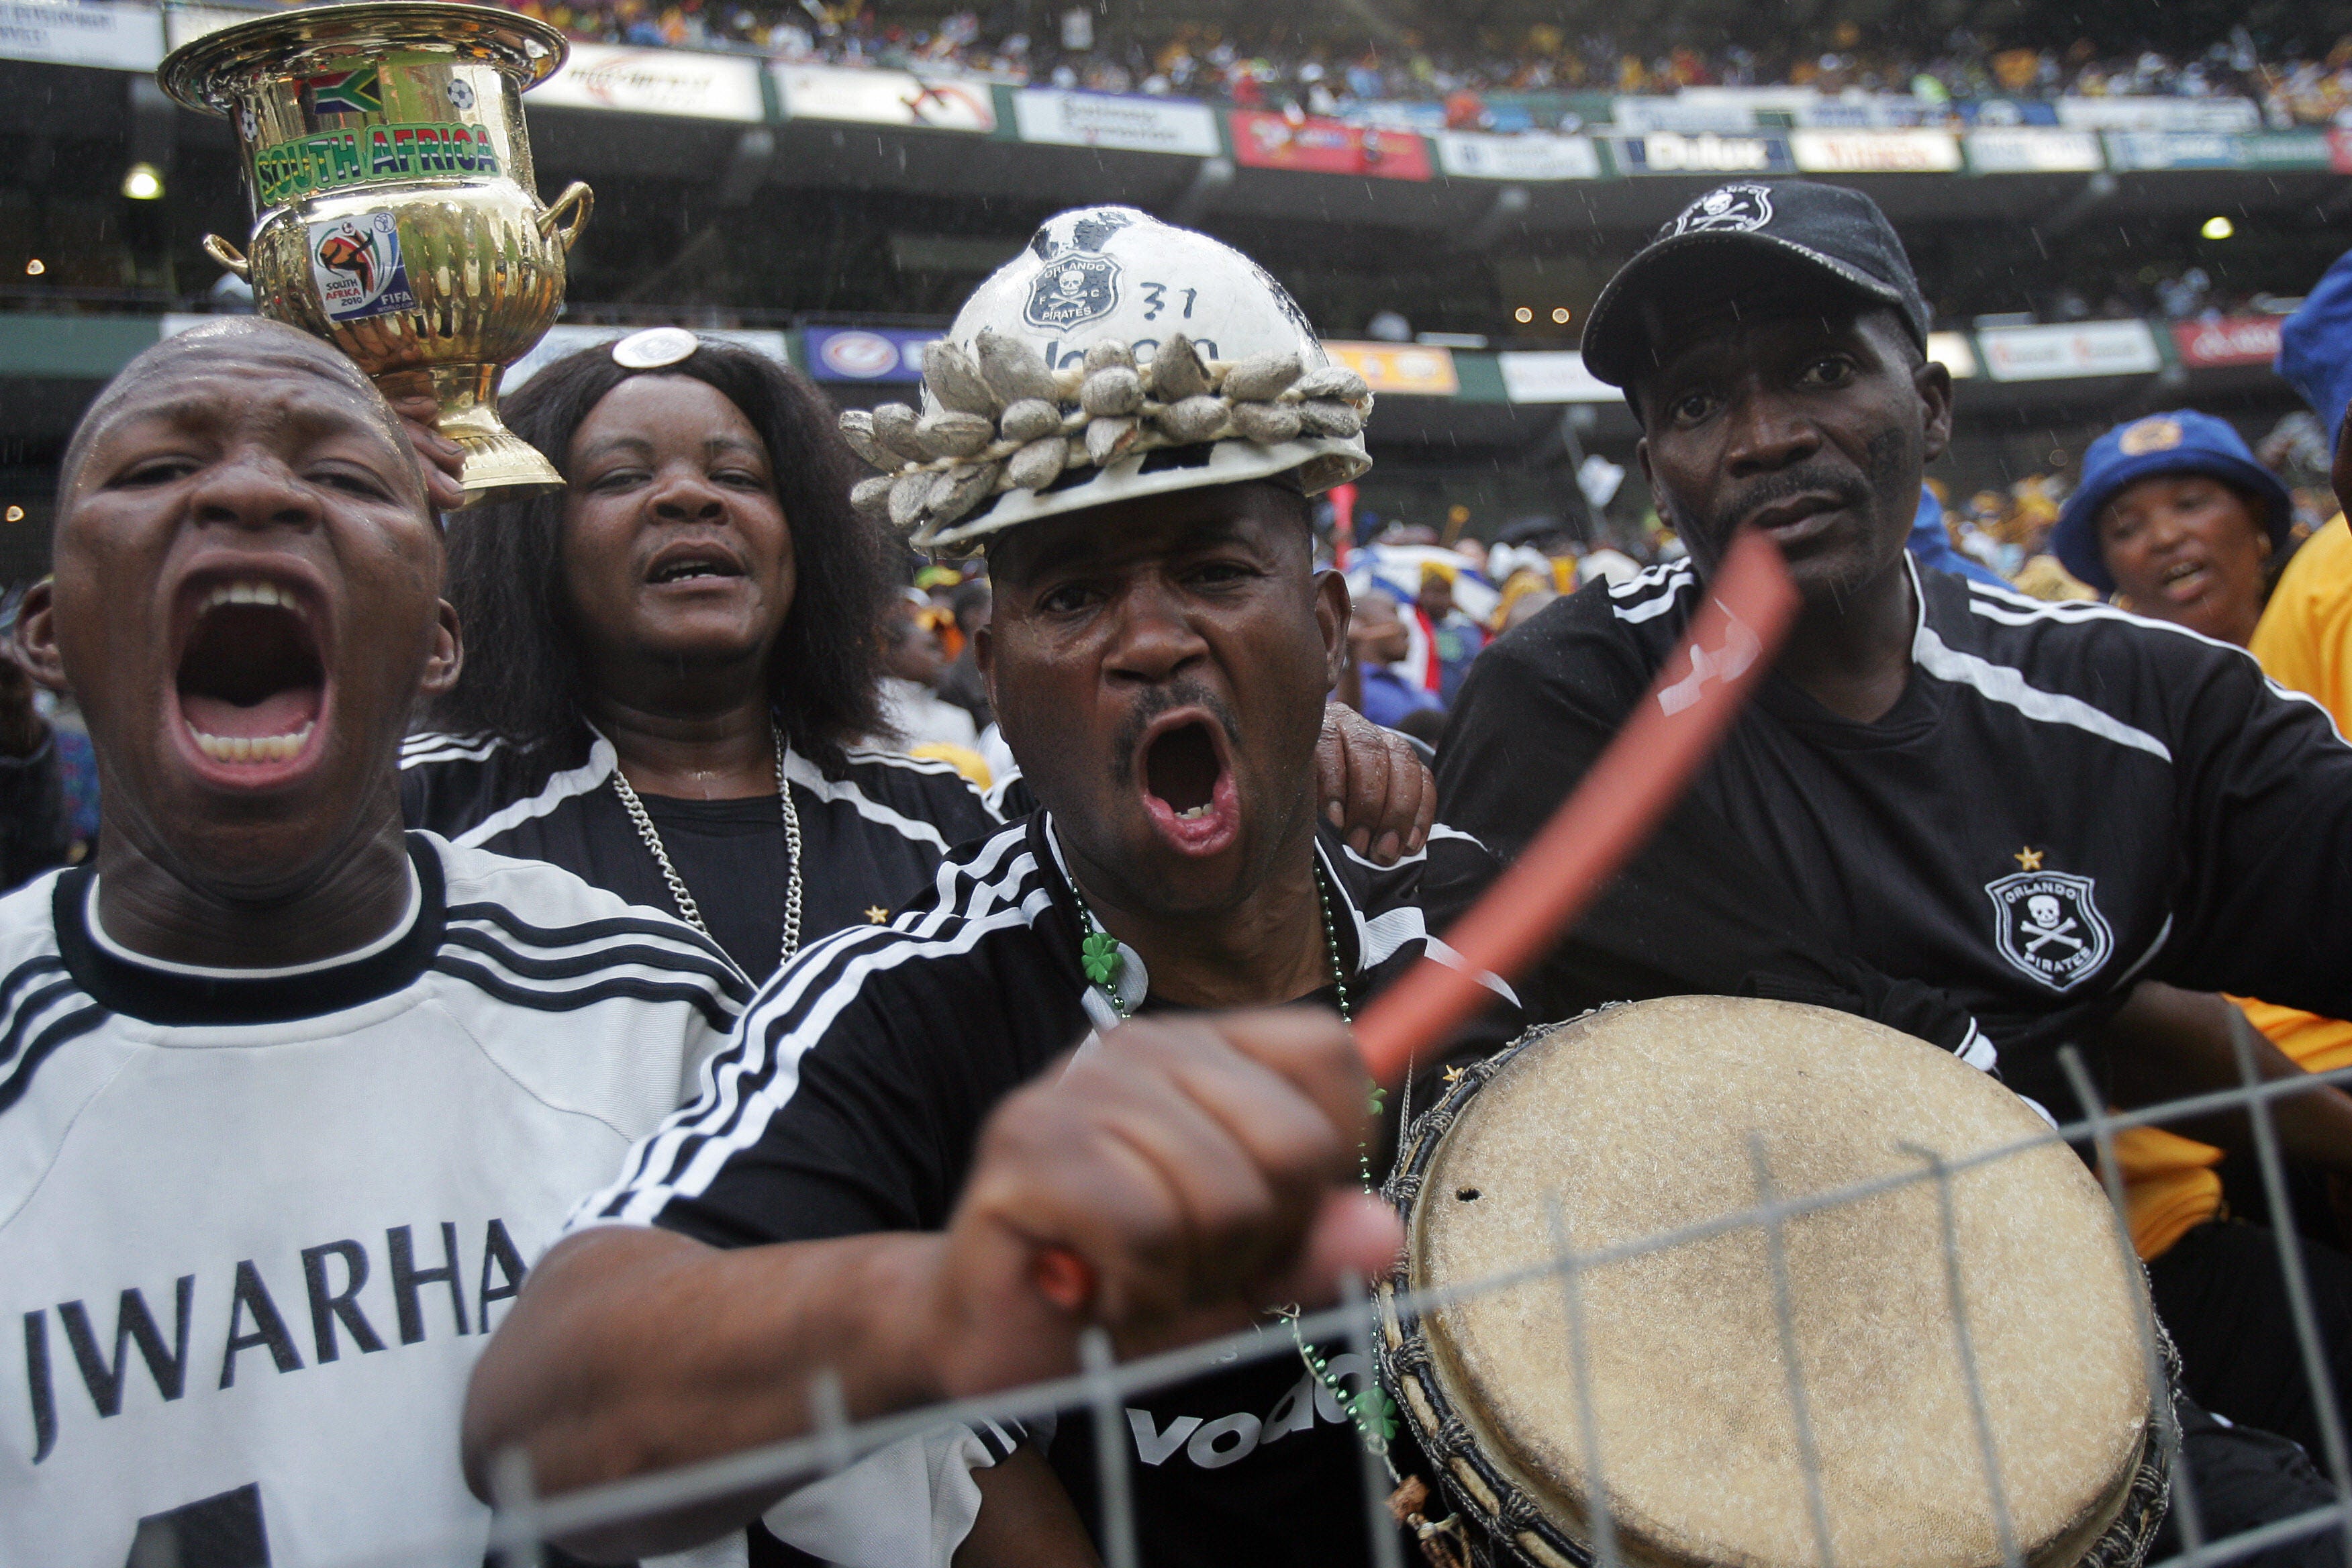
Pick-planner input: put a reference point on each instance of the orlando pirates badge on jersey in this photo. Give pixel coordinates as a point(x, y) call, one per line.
point(2048, 924)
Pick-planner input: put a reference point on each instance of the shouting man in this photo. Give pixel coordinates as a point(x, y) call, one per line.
point(1160, 647)
point(288, 1097)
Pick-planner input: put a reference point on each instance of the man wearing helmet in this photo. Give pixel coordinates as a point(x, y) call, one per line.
point(1129, 418)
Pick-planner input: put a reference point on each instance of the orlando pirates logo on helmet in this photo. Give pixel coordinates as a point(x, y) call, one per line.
point(1077, 288)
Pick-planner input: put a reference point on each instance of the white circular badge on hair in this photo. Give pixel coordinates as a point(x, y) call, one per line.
point(655, 347)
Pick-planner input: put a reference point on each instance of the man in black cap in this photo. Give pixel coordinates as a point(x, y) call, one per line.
point(1977, 817)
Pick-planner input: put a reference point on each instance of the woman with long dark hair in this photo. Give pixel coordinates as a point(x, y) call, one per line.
point(673, 663)
point(673, 660)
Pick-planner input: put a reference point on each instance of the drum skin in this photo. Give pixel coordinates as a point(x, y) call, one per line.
point(1636, 1121)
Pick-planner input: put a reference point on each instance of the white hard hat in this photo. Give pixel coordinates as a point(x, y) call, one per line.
point(1115, 356)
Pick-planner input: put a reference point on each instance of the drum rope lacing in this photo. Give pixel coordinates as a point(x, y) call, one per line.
point(678, 888)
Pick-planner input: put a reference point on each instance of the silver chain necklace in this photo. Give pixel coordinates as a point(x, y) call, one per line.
point(677, 889)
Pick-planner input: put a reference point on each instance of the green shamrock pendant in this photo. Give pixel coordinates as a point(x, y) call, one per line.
point(1375, 1414)
point(1099, 956)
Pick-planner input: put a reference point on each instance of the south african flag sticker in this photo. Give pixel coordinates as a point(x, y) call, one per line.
point(354, 92)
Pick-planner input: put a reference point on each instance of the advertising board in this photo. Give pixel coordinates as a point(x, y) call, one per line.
point(1542, 375)
point(109, 37)
point(186, 23)
point(1954, 352)
point(1407, 368)
point(885, 98)
point(2032, 150)
point(865, 354)
point(676, 83)
point(1532, 156)
point(2231, 341)
point(2175, 150)
point(1876, 152)
point(1669, 153)
point(1328, 147)
point(2288, 150)
point(2075, 349)
point(1111, 120)
point(2187, 114)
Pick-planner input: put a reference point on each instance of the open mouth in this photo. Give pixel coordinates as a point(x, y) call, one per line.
point(686, 563)
point(2185, 580)
point(251, 684)
point(1188, 788)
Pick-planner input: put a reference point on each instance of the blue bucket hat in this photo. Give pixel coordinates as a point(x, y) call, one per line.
point(2315, 347)
point(2180, 442)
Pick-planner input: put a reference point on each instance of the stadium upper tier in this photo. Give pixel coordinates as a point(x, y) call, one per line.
point(1549, 81)
point(1361, 119)
point(1546, 81)
point(765, 192)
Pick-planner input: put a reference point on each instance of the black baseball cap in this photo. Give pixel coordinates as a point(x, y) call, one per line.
point(1792, 224)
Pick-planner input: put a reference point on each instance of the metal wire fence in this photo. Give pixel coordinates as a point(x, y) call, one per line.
point(1103, 1385)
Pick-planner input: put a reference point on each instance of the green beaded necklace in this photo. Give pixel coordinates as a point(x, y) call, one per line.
point(1371, 1410)
point(1100, 956)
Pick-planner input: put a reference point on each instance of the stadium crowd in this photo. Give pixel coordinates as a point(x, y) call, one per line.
point(695, 883)
point(1337, 75)
point(1416, 588)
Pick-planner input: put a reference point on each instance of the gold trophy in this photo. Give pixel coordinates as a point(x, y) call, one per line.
point(397, 214)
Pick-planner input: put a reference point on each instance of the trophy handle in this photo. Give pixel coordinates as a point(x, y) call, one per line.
point(576, 195)
point(228, 256)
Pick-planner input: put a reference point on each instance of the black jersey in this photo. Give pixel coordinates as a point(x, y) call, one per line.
point(854, 1092)
point(872, 838)
point(2065, 798)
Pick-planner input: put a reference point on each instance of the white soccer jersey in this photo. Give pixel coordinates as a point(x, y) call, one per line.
point(254, 1227)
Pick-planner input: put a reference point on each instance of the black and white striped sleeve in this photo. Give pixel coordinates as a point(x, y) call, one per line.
point(640, 955)
point(849, 1098)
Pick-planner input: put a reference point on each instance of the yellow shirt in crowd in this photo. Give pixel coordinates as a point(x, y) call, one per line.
point(2305, 639)
point(2305, 642)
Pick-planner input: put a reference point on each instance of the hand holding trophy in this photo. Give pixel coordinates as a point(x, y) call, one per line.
point(396, 211)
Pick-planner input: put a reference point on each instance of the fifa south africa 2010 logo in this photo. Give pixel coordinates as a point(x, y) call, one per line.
point(357, 264)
